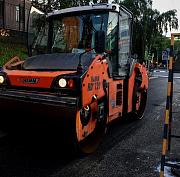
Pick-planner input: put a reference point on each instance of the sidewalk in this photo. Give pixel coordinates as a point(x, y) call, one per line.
point(160, 70)
point(155, 72)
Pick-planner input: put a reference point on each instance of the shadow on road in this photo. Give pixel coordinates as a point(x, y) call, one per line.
point(38, 147)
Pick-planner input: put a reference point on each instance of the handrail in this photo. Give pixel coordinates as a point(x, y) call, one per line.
point(12, 60)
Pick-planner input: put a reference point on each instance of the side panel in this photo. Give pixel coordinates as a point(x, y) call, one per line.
point(131, 83)
point(115, 99)
point(92, 85)
point(92, 88)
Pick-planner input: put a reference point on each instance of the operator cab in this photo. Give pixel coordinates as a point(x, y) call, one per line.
point(72, 31)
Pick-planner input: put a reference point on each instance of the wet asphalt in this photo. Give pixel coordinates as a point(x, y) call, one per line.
point(129, 148)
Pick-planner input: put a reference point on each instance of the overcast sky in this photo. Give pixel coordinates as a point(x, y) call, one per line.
point(165, 5)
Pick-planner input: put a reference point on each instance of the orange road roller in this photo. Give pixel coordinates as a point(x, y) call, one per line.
point(80, 70)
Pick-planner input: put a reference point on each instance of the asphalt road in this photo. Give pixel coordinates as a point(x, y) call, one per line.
point(129, 148)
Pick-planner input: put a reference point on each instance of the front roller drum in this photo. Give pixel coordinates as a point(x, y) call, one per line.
point(82, 129)
point(90, 126)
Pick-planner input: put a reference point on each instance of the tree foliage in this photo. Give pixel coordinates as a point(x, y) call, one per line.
point(148, 23)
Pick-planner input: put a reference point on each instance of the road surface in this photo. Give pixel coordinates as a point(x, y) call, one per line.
point(129, 148)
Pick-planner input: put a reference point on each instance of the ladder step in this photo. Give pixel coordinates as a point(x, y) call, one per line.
point(175, 136)
point(172, 165)
point(176, 112)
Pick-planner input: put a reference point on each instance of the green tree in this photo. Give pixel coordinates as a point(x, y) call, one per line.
point(159, 44)
point(148, 23)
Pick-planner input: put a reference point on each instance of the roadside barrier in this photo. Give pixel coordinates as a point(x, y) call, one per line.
point(168, 116)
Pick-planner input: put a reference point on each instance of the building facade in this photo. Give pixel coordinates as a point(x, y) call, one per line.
point(13, 18)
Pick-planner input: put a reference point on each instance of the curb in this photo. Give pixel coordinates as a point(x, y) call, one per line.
point(160, 71)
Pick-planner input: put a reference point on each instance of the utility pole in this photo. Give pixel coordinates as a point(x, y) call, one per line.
point(24, 16)
point(157, 58)
point(168, 50)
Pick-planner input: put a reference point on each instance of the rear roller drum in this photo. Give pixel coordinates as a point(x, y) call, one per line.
point(139, 101)
point(90, 126)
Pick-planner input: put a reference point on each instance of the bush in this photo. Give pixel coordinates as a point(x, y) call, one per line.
point(10, 49)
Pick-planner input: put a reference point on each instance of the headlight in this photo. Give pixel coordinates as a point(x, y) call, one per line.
point(62, 82)
point(1, 79)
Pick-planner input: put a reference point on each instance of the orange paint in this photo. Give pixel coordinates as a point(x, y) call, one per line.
point(45, 78)
point(84, 131)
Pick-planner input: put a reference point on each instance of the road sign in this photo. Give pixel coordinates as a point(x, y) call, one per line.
point(168, 49)
point(150, 58)
point(164, 55)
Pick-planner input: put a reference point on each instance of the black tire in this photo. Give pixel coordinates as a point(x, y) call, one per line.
point(139, 102)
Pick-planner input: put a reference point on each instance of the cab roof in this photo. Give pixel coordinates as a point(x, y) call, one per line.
point(92, 7)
